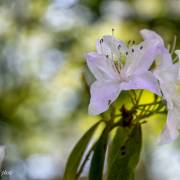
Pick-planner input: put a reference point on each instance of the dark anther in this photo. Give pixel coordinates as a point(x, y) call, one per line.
point(122, 148)
point(123, 153)
point(126, 53)
point(132, 50)
point(141, 47)
point(107, 56)
point(101, 40)
point(133, 42)
point(119, 46)
point(109, 102)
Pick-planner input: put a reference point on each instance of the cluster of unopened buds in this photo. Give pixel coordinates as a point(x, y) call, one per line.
point(148, 65)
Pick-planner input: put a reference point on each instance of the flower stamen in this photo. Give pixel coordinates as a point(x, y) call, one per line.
point(119, 46)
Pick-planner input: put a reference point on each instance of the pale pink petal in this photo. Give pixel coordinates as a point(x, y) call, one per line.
point(102, 95)
point(164, 55)
point(109, 45)
point(99, 66)
point(165, 58)
point(167, 93)
point(102, 48)
point(143, 81)
point(178, 53)
point(170, 132)
point(115, 45)
point(141, 57)
point(149, 35)
point(167, 74)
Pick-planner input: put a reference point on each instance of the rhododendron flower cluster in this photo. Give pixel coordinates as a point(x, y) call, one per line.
point(118, 67)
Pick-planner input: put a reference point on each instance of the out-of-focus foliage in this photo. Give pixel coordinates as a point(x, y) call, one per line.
point(44, 82)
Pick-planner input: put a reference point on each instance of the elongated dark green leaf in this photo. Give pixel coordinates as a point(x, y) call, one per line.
point(123, 158)
point(117, 142)
point(97, 163)
point(77, 154)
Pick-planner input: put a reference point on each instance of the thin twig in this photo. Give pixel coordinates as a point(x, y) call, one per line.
point(149, 104)
point(135, 96)
point(139, 97)
point(173, 45)
point(132, 100)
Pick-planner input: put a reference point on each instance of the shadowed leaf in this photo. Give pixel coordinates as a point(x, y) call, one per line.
point(77, 154)
point(123, 157)
point(97, 163)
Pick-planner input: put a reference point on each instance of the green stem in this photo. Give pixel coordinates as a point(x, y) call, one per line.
point(149, 104)
point(135, 96)
point(132, 99)
point(139, 97)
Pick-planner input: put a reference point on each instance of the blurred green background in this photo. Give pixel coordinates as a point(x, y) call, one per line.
point(44, 80)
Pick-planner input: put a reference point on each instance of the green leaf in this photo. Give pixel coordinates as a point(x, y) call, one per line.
point(117, 142)
point(77, 154)
point(97, 163)
point(124, 153)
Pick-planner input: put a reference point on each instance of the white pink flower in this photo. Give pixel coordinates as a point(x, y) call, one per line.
point(117, 67)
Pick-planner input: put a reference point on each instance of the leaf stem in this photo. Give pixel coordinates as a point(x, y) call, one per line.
point(149, 104)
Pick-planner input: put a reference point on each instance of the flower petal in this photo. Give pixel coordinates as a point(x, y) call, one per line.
point(165, 58)
point(170, 132)
point(99, 66)
point(142, 57)
point(110, 46)
point(149, 35)
point(178, 53)
point(164, 55)
point(102, 48)
point(143, 81)
point(167, 74)
point(102, 95)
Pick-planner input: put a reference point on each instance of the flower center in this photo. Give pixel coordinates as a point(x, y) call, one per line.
point(123, 76)
point(121, 57)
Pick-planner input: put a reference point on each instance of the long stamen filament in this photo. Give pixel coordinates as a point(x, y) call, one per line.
point(101, 41)
point(173, 45)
